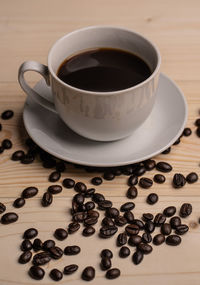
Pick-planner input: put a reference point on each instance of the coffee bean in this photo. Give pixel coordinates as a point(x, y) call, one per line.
point(132, 230)
point(166, 229)
point(2, 208)
point(139, 223)
point(108, 176)
point(197, 122)
point(182, 229)
point(128, 170)
point(61, 234)
point(56, 274)
point(69, 269)
point(41, 258)
point(145, 248)
point(178, 180)
point(80, 217)
point(117, 172)
point(6, 144)
point(48, 244)
point(19, 202)
point(29, 192)
point(133, 180)
point(6, 115)
point(80, 187)
point(129, 216)
point(134, 240)
point(132, 192)
point(37, 244)
point(149, 226)
point(106, 253)
point(167, 150)
point(158, 239)
point(79, 199)
point(169, 211)
point(175, 221)
point(105, 204)
point(9, 218)
point(88, 231)
point(185, 210)
point(25, 257)
point(147, 217)
point(88, 273)
point(60, 166)
point(55, 189)
point(36, 272)
point(107, 222)
point(47, 199)
point(177, 141)
point(90, 221)
point(107, 232)
point(73, 227)
point(163, 166)
point(89, 206)
point(18, 155)
point(27, 159)
point(120, 221)
point(173, 240)
point(121, 239)
point(105, 263)
point(56, 252)
point(96, 181)
point(187, 132)
point(159, 219)
point(112, 213)
point(149, 164)
point(137, 257)
point(68, 183)
point(113, 273)
point(72, 250)
point(152, 198)
point(128, 206)
point(140, 170)
point(89, 193)
point(93, 214)
point(192, 177)
point(146, 237)
point(145, 183)
point(124, 252)
point(26, 245)
point(1, 149)
point(54, 176)
point(97, 198)
point(159, 178)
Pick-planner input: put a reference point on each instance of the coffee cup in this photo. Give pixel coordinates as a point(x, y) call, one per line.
point(97, 115)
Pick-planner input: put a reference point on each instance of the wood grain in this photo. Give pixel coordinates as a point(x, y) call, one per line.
point(27, 31)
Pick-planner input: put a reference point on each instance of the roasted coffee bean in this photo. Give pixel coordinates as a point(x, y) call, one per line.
point(56, 252)
point(187, 132)
point(173, 240)
point(182, 229)
point(47, 199)
point(145, 183)
point(88, 273)
point(121, 239)
point(97, 198)
point(146, 237)
point(105, 263)
point(163, 166)
point(113, 273)
point(145, 248)
point(6, 144)
point(18, 155)
point(133, 180)
point(9, 218)
point(197, 122)
point(117, 172)
point(158, 239)
point(6, 115)
point(192, 177)
point(198, 131)
point(159, 219)
point(107, 222)
point(1, 149)
point(54, 176)
point(56, 274)
point(36, 272)
point(108, 176)
point(41, 258)
point(79, 199)
point(60, 166)
point(147, 217)
point(73, 227)
point(68, 183)
point(149, 226)
point(166, 229)
point(69, 269)
point(149, 164)
point(48, 244)
point(79, 216)
point(140, 170)
point(152, 198)
point(106, 253)
point(112, 213)
point(37, 244)
point(124, 252)
point(169, 211)
point(25, 257)
point(120, 221)
point(88, 231)
point(178, 180)
point(105, 204)
point(175, 221)
point(159, 178)
point(89, 206)
point(89, 193)
point(26, 245)
point(128, 170)
point(27, 159)
point(185, 210)
point(19, 202)
point(132, 230)
point(167, 150)
point(128, 206)
point(80, 187)
point(177, 141)
point(134, 240)
point(129, 216)
point(132, 192)
point(61, 234)
point(107, 232)
point(93, 214)
point(139, 223)
point(90, 221)
point(55, 189)
point(137, 257)
point(29, 192)
point(96, 181)
point(72, 250)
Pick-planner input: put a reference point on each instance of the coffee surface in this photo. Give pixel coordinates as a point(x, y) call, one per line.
point(103, 70)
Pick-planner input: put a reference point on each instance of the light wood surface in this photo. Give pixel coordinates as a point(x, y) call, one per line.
point(27, 31)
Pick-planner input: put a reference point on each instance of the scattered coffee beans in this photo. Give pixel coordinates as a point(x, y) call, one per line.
point(178, 180)
point(25, 257)
point(152, 198)
point(192, 177)
point(107, 232)
point(48, 244)
point(146, 238)
point(55, 189)
point(173, 240)
point(133, 180)
point(19, 202)
point(60, 234)
point(47, 199)
point(18, 155)
point(158, 239)
point(69, 269)
point(68, 183)
point(6, 115)
point(9, 218)
point(175, 221)
point(56, 252)
point(182, 229)
point(159, 219)
point(41, 258)
point(37, 244)
point(2, 208)
point(88, 231)
point(6, 144)
point(106, 253)
point(128, 206)
point(167, 150)
point(149, 164)
point(169, 211)
point(159, 178)
point(105, 263)
point(88, 273)
point(145, 183)
point(147, 217)
point(30, 233)
point(113, 273)
point(29, 192)
point(96, 181)
point(145, 248)
point(166, 229)
point(54, 176)
point(36, 272)
point(187, 132)
point(163, 166)
point(72, 250)
point(56, 274)
point(132, 229)
point(108, 176)
point(121, 239)
point(134, 240)
point(132, 192)
point(137, 257)
point(185, 210)
point(124, 252)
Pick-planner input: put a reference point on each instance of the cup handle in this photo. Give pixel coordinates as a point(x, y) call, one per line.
point(43, 70)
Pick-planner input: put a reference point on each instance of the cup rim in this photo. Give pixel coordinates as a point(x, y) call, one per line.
point(156, 70)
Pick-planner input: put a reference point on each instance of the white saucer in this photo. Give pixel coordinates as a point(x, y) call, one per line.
point(158, 132)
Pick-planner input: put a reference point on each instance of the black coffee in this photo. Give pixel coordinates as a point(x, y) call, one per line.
point(103, 70)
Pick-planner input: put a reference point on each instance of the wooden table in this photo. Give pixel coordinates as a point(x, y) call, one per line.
point(28, 29)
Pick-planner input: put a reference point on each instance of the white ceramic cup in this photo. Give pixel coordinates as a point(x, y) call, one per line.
point(101, 116)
